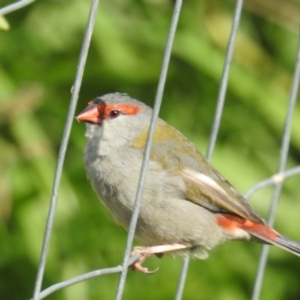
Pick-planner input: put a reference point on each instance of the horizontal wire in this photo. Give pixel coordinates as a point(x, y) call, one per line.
point(277, 178)
point(106, 271)
point(61, 285)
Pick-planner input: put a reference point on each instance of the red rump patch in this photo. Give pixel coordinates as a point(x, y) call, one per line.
point(232, 223)
point(126, 109)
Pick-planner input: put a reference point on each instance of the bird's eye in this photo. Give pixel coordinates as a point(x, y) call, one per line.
point(114, 113)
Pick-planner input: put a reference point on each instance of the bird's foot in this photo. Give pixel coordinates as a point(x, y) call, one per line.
point(148, 251)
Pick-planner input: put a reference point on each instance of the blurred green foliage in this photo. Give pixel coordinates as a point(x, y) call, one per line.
point(39, 55)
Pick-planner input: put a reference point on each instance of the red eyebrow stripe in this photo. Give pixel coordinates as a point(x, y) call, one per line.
point(126, 109)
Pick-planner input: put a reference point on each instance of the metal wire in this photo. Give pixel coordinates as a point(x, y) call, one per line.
point(61, 285)
point(217, 119)
point(181, 283)
point(276, 179)
point(182, 278)
point(224, 79)
point(15, 6)
point(156, 108)
point(282, 163)
point(63, 147)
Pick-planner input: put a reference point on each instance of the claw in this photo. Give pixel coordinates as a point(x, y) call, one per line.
point(138, 267)
point(147, 251)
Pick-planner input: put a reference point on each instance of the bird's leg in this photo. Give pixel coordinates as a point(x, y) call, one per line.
point(147, 251)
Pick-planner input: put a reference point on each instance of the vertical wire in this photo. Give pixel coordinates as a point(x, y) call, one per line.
point(182, 278)
point(156, 108)
point(281, 167)
point(217, 119)
point(224, 79)
point(63, 148)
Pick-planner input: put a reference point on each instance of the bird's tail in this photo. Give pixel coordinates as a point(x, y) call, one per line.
point(260, 232)
point(280, 241)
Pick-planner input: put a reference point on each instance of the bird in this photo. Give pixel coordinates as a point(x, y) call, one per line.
point(187, 207)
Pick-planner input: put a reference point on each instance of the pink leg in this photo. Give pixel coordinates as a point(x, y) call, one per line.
point(147, 251)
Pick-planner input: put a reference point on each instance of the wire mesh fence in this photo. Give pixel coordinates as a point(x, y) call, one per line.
point(277, 179)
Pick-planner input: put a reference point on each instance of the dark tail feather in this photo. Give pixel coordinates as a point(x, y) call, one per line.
point(281, 242)
point(287, 244)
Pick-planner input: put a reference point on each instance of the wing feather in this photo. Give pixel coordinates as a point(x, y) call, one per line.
point(203, 184)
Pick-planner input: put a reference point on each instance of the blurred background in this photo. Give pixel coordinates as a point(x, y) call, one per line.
point(39, 55)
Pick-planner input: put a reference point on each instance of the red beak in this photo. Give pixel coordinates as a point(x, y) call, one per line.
point(90, 115)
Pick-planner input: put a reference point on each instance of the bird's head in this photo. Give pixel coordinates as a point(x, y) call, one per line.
point(116, 116)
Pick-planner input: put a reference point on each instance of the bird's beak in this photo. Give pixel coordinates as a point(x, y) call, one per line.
point(90, 115)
